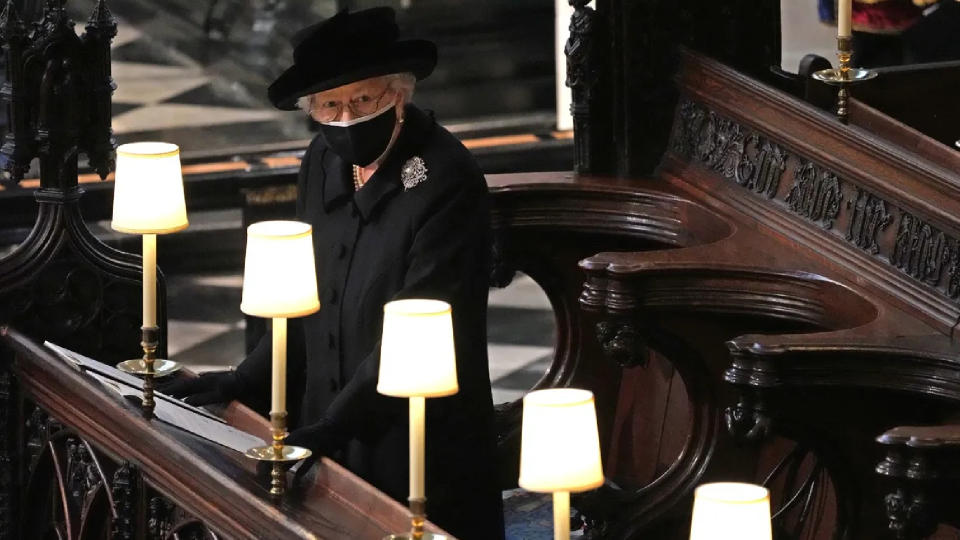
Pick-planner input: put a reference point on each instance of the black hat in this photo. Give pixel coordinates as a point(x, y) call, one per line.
point(349, 47)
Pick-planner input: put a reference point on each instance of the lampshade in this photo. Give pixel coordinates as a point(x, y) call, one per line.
point(148, 189)
point(559, 446)
point(416, 353)
point(729, 510)
point(279, 276)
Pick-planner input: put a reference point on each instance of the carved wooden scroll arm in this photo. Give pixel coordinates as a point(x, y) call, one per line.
point(918, 477)
point(872, 356)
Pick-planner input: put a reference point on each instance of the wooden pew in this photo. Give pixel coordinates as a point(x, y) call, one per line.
point(818, 316)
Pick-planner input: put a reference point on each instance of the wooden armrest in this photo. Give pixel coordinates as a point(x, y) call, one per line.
point(922, 436)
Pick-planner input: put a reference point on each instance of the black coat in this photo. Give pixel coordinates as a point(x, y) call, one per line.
point(378, 244)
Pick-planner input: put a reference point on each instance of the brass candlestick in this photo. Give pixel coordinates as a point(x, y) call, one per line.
point(148, 200)
point(278, 453)
point(149, 366)
point(844, 76)
point(418, 516)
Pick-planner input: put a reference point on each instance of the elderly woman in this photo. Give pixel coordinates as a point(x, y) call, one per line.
point(399, 210)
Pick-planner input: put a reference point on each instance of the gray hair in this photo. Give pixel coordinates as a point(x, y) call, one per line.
point(403, 83)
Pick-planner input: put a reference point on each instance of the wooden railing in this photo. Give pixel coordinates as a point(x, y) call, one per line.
point(78, 462)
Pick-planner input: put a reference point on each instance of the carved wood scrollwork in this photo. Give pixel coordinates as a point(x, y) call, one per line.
point(747, 421)
point(62, 284)
point(798, 480)
point(65, 494)
point(908, 514)
point(622, 343)
point(123, 489)
point(72, 491)
point(919, 481)
point(166, 520)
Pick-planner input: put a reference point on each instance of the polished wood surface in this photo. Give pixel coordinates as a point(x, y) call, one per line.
point(780, 294)
point(216, 486)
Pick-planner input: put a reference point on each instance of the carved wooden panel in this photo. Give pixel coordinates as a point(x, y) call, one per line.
point(894, 235)
point(72, 490)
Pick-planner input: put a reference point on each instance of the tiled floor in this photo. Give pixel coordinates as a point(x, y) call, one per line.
point(177, 83)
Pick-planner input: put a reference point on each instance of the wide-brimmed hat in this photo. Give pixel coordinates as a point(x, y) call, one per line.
point(349, 47)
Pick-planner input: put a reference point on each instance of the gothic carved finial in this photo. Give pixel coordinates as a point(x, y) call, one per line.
point(582, 74)
point(102, 19)
point(10, 24)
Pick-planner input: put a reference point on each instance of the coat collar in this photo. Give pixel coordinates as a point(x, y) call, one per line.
point(338, 181)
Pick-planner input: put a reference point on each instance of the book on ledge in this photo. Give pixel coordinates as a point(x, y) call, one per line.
point(168, 409)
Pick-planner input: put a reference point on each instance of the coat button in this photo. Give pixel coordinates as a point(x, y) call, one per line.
point(331, 341)
point(342, 251)
point(333, 385)
point(331, 296)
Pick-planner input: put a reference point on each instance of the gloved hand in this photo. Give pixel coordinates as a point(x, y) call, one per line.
point(208, 388)
point(321, 438)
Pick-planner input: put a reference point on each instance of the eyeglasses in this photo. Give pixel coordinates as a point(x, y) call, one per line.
point(360, 106)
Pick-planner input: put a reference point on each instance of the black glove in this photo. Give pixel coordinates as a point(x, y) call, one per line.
point(321, 438)
point(208, 388)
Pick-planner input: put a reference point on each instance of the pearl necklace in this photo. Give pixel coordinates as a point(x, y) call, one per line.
point(357, 184)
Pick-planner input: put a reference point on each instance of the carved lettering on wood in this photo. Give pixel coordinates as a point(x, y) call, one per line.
point(722, 145)
point(868, 217)
point(810, 190)
point(815, 194)
point(761, 166)
point(921, 250)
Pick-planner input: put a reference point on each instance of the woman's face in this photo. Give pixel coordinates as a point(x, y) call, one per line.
point(354, 100)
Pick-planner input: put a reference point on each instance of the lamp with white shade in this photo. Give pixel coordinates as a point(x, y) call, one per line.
point(731, 511)
point(417, 361)
point(148, 200)
point(553, 461)
point(279, 281)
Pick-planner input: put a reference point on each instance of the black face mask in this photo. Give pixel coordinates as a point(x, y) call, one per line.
point(362, 140)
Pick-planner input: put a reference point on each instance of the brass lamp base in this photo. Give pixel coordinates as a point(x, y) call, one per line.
point(837, 77)
point(286, 453)
point(161, 367)
point(278, 453)
point(149, 367)
point(844, 76)
point(418, 515)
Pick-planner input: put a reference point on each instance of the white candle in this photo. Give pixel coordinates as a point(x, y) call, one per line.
point(278, 402)
point(561, 515)
point(844, 17)
point(149, 280)
point(417, 444)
